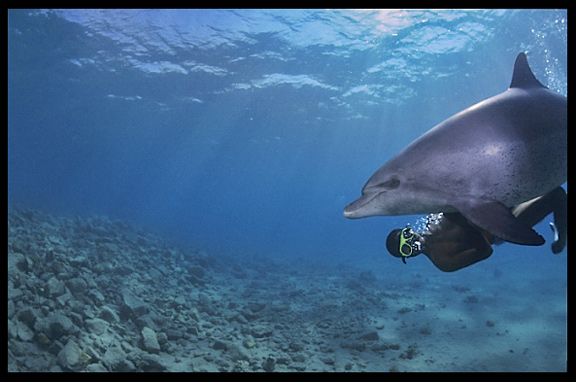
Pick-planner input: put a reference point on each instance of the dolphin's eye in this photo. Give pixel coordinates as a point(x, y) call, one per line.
point(390, 184)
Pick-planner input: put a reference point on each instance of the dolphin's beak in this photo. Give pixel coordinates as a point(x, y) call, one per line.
point(350, 213)
point(357, 209)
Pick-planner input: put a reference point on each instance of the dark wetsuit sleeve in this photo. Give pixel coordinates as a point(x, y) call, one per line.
point(535, 210)
point(456, 244)
point(450, 262)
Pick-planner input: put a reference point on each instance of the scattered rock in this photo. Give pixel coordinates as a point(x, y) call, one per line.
point(109, 315)
point(16, 264)
point(71, 357)
point(409, 353)
point(115, 360)
point(269, 364)
point(77, 285)
point(134, 304)
point(23, 331)
point(14, 294)
point(12, 329)
point(328, 360)
point(150, 341)
point(174, 334)
point(151, 362)
point(358, 346)
point(79, 261)
point(96, 368)
point(255, 307)
point(180, 301)
point(370, 336)
point(27, 316)
point(261, 331)
point(43, 340)
point(425, 330)
point(296, 346)
point(379, 347)
point(162, 339)
point(55, 288)
point(123, 270)
point(299, 358)
point(56, 326)
point(196, 275)
point(96, 325)
point(236, 354)
point(219, 345)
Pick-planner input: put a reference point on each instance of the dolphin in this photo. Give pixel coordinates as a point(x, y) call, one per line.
point(494, 155)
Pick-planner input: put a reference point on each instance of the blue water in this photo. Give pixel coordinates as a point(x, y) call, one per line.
point(247, 132)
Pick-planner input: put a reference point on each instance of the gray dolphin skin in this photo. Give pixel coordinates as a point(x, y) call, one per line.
point(491, 156)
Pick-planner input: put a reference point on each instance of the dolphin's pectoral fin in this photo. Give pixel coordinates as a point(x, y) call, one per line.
point(494, 217)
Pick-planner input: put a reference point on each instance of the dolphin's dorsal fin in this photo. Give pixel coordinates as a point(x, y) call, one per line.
point(523, 76)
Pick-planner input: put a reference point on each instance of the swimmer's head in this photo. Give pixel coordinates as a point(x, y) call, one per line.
point(404, 243)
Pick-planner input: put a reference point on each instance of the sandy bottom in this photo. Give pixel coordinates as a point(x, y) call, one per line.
point(94, 294)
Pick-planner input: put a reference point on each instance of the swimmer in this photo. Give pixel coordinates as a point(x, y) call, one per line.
point(451, 242)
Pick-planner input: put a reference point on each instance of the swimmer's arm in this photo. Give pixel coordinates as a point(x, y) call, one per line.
point(451, 263)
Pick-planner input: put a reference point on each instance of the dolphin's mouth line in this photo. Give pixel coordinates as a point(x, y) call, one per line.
point(349, 214)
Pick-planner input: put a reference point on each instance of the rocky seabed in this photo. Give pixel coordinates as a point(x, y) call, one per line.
point(95, 294)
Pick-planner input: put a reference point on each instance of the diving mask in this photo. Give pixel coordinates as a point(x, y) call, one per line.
point(408, 244)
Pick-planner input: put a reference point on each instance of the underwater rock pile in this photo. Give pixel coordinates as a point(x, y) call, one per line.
point(93, 294)
point(96, 294)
